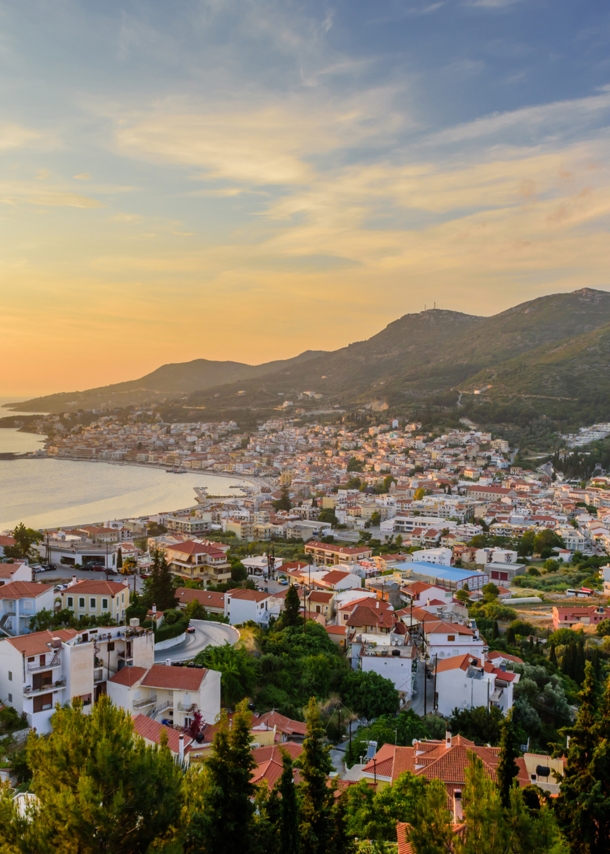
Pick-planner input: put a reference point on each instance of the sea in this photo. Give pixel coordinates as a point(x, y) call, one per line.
point(44, 493)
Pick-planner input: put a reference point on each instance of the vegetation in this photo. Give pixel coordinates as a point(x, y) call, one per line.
point(25, 541)
point(159, 586)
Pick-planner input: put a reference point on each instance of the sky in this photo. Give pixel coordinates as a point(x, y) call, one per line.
point(248, 179)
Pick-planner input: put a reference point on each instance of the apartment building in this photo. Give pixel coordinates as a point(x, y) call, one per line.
point(42, 669)
point(204, 561)
point(330, 555)
point(94, 598)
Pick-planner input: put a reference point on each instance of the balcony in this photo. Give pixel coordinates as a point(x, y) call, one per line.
point(184, 707)
point(98, 674)
point(149, 701)
point(30, 691)
point(54, 662)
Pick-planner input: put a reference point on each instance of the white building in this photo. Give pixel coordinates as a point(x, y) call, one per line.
point(167, 692)
point(41, 669)
point(467, 681)
point(441, 556)
point(387, 655)
point(495, 555)
point(243, 605)
point(445, 640)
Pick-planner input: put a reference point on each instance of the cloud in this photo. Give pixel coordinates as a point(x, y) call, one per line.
point(82, 176)
point(17, 193)
point(15, 136)
point(491, 4)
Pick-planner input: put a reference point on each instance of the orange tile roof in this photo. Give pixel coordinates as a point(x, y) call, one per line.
point(23, 589)
point(128, 676)
point(283, 724)
point(38, 643)
point(274, 751)
point(151, 731)
point(93, 588)
point(248, 595)
point(207, 598)
point(174, 678)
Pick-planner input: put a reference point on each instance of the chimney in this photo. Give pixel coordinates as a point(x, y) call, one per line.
point(73, 579)
point(168, 662)
point(154, 608)
point(447, 739)
point(181, 750)
point(458, 813)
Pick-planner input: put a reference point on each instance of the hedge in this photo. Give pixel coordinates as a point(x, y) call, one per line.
point(166, 632)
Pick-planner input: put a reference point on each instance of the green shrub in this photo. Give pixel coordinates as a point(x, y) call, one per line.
point(166, 632)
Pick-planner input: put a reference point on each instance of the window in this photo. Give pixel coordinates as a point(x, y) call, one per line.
point(10, 698)
point(92, 603)
point(43, 703)
point(70, 601)
point(81, 602)
point(41, 680)
point(104, 604)
point(30, 659)
point(450, 637)
point(111, 646)
point(43, 660)
point(10, 676)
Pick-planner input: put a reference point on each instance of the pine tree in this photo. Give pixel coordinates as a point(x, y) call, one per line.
point(553, 655)
point(532, 830)
point(574, 807)
point(119, 558)
point(159, 587)
point(317, 796)
point(507, 769)
point(221, 818)
point(292, 608)
point(98, 786)
point(431, 830)
point(599, 796)
point(289, 809)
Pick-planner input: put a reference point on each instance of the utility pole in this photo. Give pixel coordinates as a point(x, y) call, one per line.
point(435, 668)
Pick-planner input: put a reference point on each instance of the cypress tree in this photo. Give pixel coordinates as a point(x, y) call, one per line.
point(222, 820)
point(317, 795)
point(484, 818)
point(599, 796)
point(159, 587)
point(574, 807)
point(553, 655)
point(431, 829)
point(289, 809)
point(507, 769)
point(292, 608)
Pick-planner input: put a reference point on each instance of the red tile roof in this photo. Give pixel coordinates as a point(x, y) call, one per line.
point(248, 595)
point(128, 676)
point(38, 643)
point(151, 731)
point(96, 588)
point(285, 725)
point(174, 678)
point(24, 590)
point(207, 598)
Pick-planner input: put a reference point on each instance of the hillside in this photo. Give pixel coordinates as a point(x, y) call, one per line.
point(164, 383)
point(556, 346)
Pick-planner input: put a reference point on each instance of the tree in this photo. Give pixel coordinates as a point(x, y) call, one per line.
point(291, 615)
point(354, 464)
point(222, 812)
point(479, 724)
point(431, 828)
point(485, 828)
point(289, 809)
point(99, 786)
point(25, 540)
point(283, 502)
point(490, 591)
point(369, 694)
point(239, 572)
point(462, 596)
point(317, 795)
point(603, 628)
point(575, 809)
point(237, 668)
point(375, 519)
point(119, 558)
point(507, 769)
point(328, 515)
point(159, 586)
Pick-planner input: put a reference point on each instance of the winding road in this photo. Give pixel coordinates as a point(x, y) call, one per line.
point(207, 633)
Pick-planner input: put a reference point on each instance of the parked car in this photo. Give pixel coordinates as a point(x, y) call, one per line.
point(167, 722)
point(191, 630)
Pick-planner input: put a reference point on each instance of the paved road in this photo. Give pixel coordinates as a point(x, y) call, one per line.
point(206, 633)
point(417, 703)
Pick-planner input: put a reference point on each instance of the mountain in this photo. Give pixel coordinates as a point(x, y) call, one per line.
point(166, 382)
point(556, 346)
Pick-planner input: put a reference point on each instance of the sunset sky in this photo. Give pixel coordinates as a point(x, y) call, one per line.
point(247, 179)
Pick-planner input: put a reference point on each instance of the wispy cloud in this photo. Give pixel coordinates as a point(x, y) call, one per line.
point(16, 136)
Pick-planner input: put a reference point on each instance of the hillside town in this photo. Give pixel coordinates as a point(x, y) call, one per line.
point(431, 569)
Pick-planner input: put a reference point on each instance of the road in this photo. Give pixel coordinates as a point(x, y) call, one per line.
point(206, 634)
point(417, 703)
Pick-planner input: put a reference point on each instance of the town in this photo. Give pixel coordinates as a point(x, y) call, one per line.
point(451, 599)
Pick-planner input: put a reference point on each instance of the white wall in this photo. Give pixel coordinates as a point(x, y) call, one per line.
point(397, 670)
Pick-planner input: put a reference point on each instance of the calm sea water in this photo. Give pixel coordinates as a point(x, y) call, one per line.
point(45, 492)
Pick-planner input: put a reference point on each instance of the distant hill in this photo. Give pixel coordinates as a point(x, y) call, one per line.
point(557, 346)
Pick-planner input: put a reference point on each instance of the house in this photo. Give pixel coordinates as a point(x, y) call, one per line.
point(328, 554)
point(41, 669)
point(285, 729)
point(371, 616)
point(389, 656)
point(336, 579)
point(564, 617)
point(22, 600)
point(15, 572)
point(94, 598)
point(465, 681)
point(6, 541)
point(321, 602)
point(445, 640)
point(440, 555)
point(243, 605)
point(205, 561)
point(269, 763)
point(166, 691)
point(421, 593)
point(213, 602)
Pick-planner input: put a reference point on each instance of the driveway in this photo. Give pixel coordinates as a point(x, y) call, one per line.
point(207, 633)
point(417, 703)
